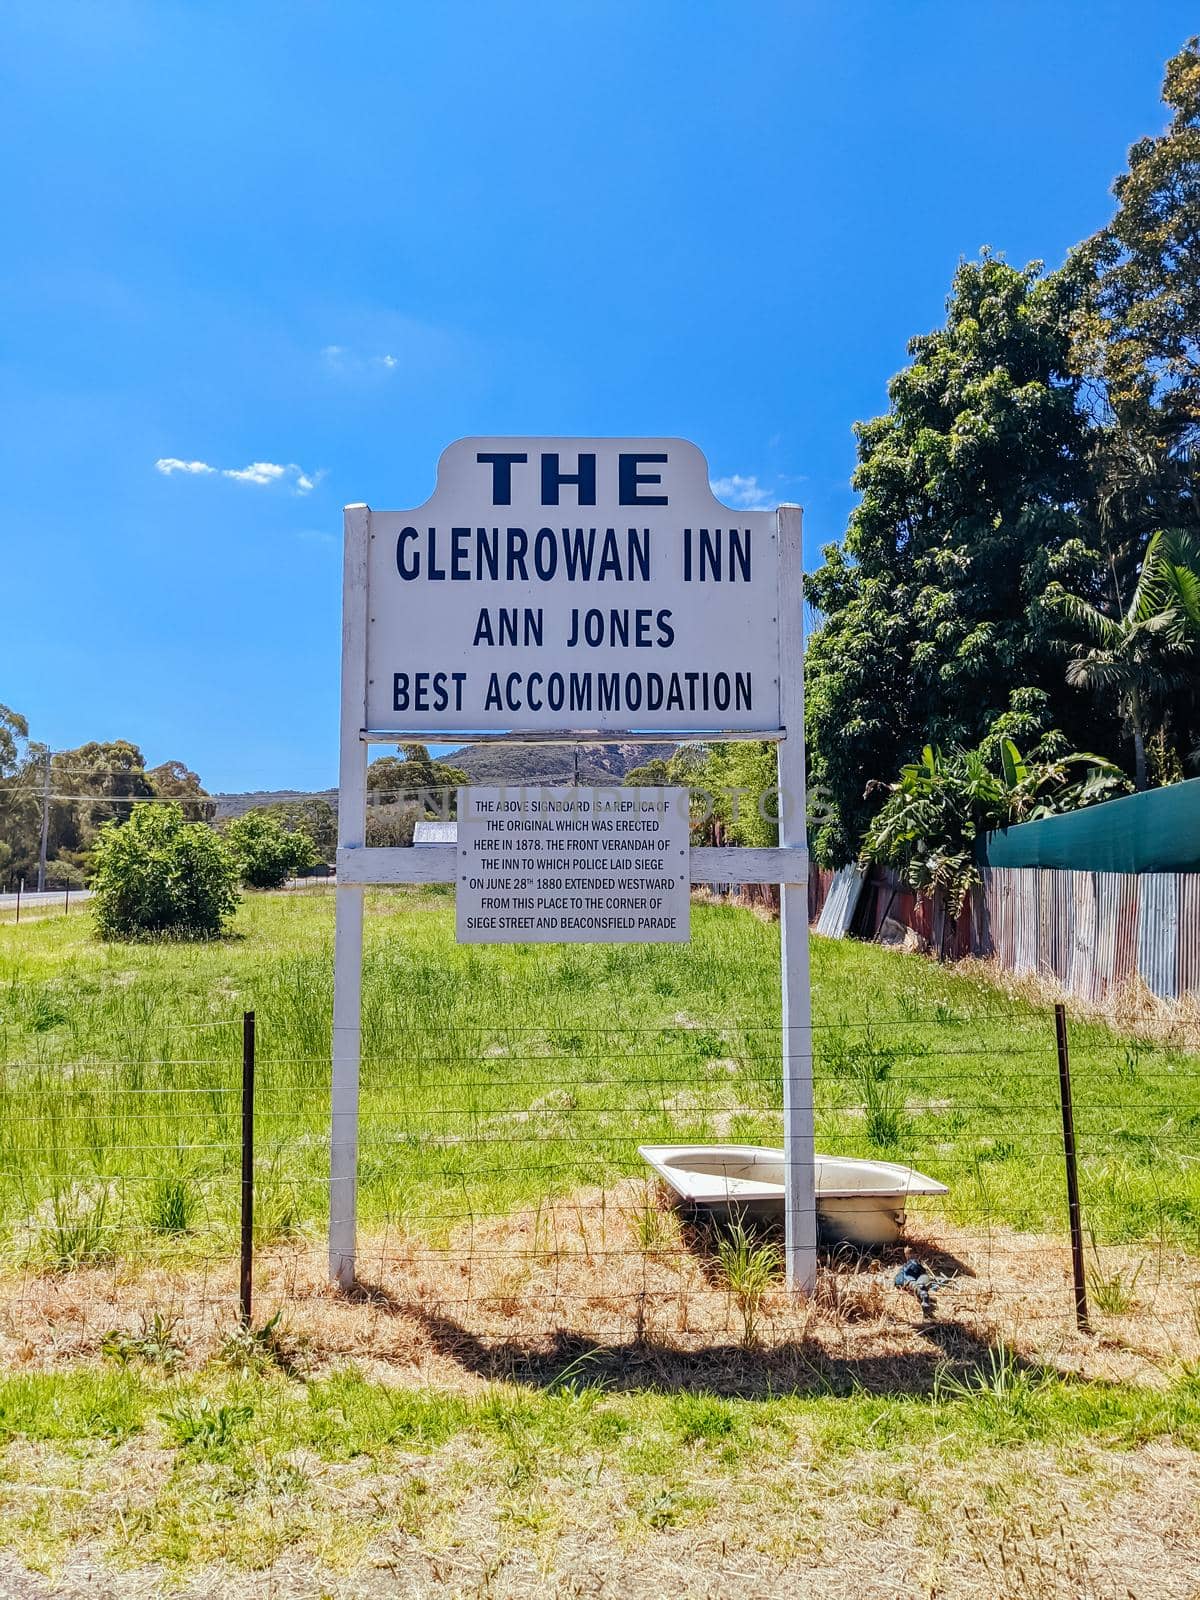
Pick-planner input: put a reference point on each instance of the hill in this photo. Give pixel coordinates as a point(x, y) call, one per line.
point(236, 805)
point(553, 763)
point(488, 764)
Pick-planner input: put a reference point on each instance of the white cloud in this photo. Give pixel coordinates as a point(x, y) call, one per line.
point(169, 464)
point(259, 472)
point(349, 362)
point(745, 493)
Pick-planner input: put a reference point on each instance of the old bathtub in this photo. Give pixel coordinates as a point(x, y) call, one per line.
point(858, 1202)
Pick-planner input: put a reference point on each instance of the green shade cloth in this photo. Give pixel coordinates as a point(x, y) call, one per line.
point(1158, 831)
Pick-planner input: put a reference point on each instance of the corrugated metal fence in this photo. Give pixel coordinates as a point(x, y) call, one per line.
point(1091, 931)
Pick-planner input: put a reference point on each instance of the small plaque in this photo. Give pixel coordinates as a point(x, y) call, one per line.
point(572, 865)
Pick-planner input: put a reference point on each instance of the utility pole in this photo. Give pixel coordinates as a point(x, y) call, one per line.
point(45, 823)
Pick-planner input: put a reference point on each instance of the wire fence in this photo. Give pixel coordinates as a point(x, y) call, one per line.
point(502, 1198)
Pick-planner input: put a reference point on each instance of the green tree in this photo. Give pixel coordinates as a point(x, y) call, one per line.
point(266, 854)
point(313, 816)
point(416, 777)
point(974, 493)
point(20, 787)
point(158, 874)
point(731, 786)
point(1145, 342)
point(171, 780)
point(97, 783)
point(391, 826)
point(652, 774)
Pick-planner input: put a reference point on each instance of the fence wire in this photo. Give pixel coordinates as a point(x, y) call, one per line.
point(501, 1194)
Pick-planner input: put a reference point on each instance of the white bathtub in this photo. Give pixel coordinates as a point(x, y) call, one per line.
point(858, 1202)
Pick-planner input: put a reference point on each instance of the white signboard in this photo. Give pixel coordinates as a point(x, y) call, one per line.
point(576, 590)
point(572, 584)
point(546, 865)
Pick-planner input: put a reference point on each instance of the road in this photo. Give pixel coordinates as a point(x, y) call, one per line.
point(48, 897)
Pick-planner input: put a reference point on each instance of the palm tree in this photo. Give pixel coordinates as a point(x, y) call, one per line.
point(1144, 653)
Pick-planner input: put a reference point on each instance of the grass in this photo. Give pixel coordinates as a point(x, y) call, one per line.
point(749, 1266)
point(498, 1083)
point(225, 1472)
point(1112, 1290)
point(499, 1077)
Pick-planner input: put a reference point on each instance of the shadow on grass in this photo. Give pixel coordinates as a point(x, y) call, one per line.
point(929, 1352)
point(732, 1371)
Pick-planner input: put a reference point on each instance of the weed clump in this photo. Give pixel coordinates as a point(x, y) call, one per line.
point(172, 1205)
point(749, 1266)
point(71, 1228)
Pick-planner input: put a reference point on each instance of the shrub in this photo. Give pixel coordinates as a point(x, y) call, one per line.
point(62, 874)
point(157, 874)
point(267, 854)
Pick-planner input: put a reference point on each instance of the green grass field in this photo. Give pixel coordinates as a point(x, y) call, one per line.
point(150, 1455)
point(497, 1077)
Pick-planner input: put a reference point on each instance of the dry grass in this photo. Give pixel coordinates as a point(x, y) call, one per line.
point(1024, 1524)
point(1130, 1009)
point(605, 1289)
point(609, 1276)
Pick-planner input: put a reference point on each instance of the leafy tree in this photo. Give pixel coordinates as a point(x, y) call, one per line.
point(171, 780)
point(415, 776)
point(941, 806)
point(20, 786)
point(266, 854)
point(97, 783)
point(61, 873)
point(652, 774)
point(158, 874)
point(14, 737)
point(391, 826)
point(313, 816)
point(732, 788)
point(1142, 656)
point(1145, 342)
point(973, 483)
point(736, 793)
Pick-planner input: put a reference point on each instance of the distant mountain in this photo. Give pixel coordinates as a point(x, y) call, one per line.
point(490, 764)
point(236, 805)
point(553, 763)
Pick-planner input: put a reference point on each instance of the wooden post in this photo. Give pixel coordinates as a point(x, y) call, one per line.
point(247, 1272)
point(348, 923)
point(45, 830)
point(1068, 1122)
point(800, 1206)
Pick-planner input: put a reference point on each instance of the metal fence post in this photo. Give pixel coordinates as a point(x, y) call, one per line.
point(247, 1274)
point(1068, 1122)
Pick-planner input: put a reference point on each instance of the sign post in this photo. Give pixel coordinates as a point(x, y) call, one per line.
point(573, 591)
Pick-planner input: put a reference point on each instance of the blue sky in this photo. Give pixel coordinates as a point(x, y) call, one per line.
point(330, 238)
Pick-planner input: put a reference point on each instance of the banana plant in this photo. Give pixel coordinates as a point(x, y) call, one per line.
point(1152, 648)
point(928, 827)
